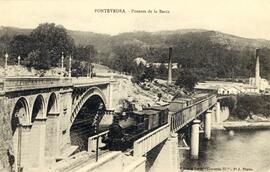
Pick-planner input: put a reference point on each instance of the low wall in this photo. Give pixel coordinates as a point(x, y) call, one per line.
point(116, 162)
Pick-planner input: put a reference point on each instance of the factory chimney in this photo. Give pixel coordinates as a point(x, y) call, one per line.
point(170, 67)
point(257, 69)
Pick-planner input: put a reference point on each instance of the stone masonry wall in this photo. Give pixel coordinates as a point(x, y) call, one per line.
point(5, 134)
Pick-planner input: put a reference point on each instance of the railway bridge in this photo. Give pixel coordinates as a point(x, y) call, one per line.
point(43, 121)
point(40, 117)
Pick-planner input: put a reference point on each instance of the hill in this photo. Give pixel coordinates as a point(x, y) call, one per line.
point(207, 53)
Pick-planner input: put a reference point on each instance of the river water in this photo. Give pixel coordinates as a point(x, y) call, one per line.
point(247, 150)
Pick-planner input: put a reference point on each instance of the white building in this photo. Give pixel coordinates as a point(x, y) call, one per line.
point(229, 90)
point(139, 60)
point(157, 65)
point(263, 83)
point(258, 82)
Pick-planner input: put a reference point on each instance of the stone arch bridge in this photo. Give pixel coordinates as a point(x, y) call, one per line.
point(37, 115)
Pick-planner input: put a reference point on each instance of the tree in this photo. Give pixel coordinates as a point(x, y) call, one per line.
point(125, 55)
point(186, 80)
point(79, 68)
point(51, 41)
point(4, 46)
point(20, 45)
point(229, 102)
point(162, 71)
point(150, 73)
point(85, 53)
point(241, 112)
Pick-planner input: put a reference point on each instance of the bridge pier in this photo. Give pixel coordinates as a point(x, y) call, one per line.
point(195, 139)
point(207, 125)
point(37, 144)
point(21, 146)
point(52, 137)
point(168, 157)
point(217, 112)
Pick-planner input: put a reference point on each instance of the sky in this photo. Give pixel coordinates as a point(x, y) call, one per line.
point(246, 18)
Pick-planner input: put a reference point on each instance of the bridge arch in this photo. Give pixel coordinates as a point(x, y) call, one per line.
point(20, 117)
point(93, 91)
point(52, 104)
point(38, 108)
point(20, 114)
point(82, 126)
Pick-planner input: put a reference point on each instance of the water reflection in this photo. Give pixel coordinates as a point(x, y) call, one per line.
point(232, 151)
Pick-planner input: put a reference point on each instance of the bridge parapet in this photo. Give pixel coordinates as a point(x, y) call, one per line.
point(84, 81)
point(183, 117)
point(22, 83)
point(149, 141)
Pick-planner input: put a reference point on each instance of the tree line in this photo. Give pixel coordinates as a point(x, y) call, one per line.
point(201, 53)
point(43, 47)
point(244, 106)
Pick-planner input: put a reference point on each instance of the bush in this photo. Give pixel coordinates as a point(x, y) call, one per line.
point(186, 80)
point(241, 112)
point(228, 102)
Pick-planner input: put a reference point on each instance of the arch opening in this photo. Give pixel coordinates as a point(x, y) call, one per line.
point(52, 104)
point(38, 108)
point(20, 116)
point(83, 125)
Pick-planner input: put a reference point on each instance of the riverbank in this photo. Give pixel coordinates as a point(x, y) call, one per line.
point(240, 125)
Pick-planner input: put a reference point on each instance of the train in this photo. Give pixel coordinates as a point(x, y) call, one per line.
point(127, 128)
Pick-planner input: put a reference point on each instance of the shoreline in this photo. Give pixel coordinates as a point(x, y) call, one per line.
point(241, 125)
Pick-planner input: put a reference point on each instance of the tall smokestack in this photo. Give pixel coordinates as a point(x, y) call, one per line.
point(170, 67)
point(257, 69)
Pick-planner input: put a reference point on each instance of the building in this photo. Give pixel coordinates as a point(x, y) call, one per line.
point(174, 65)
point(263, 83)
point(260, 83)
point(226, 88)
point(139, 60)
point(231, 90)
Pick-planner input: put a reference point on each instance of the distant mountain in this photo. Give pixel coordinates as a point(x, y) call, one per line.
point(11, 31)
point(104, 41)
point(84, 38)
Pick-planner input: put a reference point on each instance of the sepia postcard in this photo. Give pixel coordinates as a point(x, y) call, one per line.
point(134, 86)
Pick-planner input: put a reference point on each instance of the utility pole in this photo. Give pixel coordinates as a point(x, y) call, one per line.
point(170, 67)
point(6, 64)
point(69, 69)
point(89, 65)
point(62, 65)
point(19, 60)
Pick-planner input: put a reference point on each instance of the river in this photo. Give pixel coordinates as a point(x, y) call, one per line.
point(247, 150)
